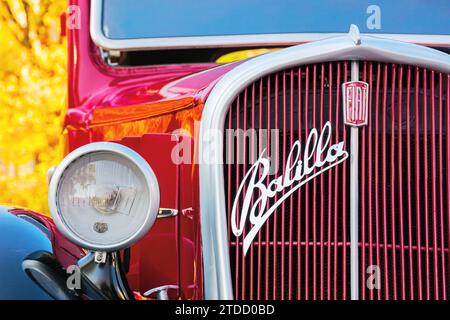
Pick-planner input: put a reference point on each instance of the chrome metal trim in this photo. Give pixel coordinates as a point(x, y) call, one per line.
point(166, 213)
point(161, 292)
point(216, 264)
point(355, 34)
point(126, 153)
point(102, 41)
point(100, 257)
point(50, 173)
point(36, 223)
point(354, 198)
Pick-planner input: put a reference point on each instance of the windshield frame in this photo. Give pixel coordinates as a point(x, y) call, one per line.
point(259, 40)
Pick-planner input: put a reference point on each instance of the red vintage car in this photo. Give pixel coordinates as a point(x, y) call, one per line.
point(317, 170)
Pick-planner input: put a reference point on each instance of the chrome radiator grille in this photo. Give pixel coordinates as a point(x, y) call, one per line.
point(404, 205)
point(302, 251)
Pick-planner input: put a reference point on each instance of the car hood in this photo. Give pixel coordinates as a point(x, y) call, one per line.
point(139, 94)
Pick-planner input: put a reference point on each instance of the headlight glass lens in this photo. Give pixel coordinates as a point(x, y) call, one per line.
point(103, 198)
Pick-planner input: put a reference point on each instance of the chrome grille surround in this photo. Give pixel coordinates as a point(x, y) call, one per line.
point(216, 263)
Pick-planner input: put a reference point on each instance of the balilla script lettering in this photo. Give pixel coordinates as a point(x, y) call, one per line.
point(318, 156)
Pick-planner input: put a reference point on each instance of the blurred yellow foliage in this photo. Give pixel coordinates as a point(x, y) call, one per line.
point(244, 54)
point(32, 98)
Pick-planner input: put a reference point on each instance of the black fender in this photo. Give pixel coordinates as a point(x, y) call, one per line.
point(19, 238)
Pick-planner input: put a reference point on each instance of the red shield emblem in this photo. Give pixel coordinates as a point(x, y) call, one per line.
point(355, 98)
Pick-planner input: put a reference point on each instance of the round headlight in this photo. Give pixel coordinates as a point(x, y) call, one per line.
point(104, 196)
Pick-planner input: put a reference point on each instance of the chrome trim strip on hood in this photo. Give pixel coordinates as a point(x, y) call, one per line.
point(354, 200)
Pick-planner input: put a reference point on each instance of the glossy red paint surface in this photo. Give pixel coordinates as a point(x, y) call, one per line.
point(160, 246)
point(94, 86)
point(141, 107)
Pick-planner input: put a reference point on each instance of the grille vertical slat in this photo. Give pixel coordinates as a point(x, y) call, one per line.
point(238, 239)
point(260, 149)
point(307, 286)
point(283, 207)
point(322, 202)
point(384, 181)
point(345, 215)
point(268, 223)
point(400, 110)
point(299, 196)
point(363, 208)
point(426, 195)
point(275, 223)
point(377, 177)
point(252, 145)
point(409, 183)
point(417, 169)
point(441, 187)
point(448, 169)
point(393, 182)
point(329, 213)
point(314, 193)
point(369, 128)
point(302, 250)
point(260, 121)
point(291, 200)
point(433, 187)
point(244, 125)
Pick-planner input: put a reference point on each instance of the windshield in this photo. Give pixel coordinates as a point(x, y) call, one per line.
point(193, 18)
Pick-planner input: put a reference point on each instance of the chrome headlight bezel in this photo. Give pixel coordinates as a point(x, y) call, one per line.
point(129, 155)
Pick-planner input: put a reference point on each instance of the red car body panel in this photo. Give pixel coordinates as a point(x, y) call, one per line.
point(140, 107)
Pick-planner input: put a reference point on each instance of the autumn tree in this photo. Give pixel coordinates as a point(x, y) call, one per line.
point(32, 98)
